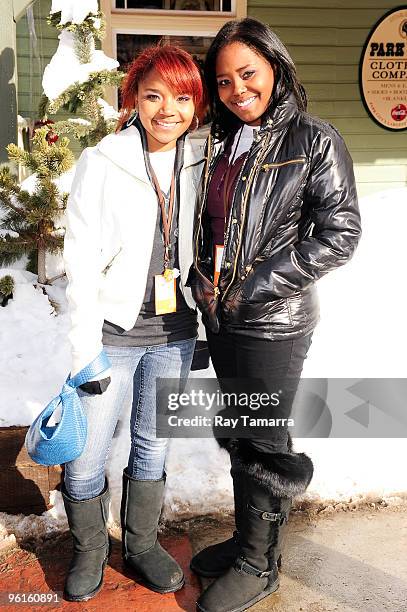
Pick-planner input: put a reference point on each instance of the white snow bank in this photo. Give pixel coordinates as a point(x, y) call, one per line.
point(65, 69)
point(355, 338)
point(34, 351)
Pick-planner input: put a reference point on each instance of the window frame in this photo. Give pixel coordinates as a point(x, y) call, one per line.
point(166, 22)
point(232, 13)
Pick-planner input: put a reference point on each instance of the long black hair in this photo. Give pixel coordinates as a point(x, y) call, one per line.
point(262, 40)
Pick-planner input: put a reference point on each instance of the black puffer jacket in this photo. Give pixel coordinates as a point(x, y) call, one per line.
point(294, 218)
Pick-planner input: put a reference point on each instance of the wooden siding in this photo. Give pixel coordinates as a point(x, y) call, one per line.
point(325, 39)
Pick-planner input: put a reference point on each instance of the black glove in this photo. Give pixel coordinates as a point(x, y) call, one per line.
point(96, 387)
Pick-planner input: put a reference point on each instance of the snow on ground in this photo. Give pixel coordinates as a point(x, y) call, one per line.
point(360, 335)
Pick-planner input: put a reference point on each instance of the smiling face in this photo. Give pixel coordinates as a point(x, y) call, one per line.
point(245, 82)
point(164, 114)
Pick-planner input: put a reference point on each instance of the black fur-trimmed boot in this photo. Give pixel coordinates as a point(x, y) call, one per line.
point(214, 560)
point(140, 513)
point(271, 480)
point(91, 546)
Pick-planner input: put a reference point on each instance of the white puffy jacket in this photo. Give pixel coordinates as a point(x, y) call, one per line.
point(111, 217)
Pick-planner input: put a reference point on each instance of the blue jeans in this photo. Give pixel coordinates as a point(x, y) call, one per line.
point(136, 367)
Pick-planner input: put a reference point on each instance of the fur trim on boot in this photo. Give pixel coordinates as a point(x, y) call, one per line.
point(283, 474)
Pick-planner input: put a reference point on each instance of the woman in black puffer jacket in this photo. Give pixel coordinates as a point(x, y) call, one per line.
point(277, 210)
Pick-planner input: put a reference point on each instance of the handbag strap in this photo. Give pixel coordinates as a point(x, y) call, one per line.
point(68, 395)
point(93, 369)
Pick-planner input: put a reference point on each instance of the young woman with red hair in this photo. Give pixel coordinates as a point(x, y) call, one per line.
point(128, 251)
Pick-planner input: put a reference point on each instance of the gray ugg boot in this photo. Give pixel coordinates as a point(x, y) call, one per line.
point(270, 482)
point(140, 512)
point(91, 546)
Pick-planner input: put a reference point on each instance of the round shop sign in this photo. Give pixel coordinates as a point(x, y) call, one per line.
point(383, 71)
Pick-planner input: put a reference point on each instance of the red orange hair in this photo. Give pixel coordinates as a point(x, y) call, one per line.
point(177, 69)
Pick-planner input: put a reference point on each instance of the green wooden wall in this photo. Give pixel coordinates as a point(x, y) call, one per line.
point(325, 39)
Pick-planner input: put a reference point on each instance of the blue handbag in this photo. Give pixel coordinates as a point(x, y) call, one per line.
point(65, 441)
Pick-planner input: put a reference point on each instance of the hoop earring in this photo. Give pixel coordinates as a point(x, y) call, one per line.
point(196, 126)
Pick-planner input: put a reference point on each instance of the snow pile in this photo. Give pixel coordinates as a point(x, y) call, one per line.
point(355, 338)
point(74, 11)
point(34, 527)
point(34, 353)
point(65, 68)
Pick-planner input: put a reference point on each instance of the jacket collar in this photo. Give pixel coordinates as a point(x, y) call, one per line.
point(282, 115)
point(275, 120)
point(125, 149)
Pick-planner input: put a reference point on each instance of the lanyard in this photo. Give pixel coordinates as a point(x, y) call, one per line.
point(166, 219)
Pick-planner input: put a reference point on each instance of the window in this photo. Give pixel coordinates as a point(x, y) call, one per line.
point(176, 5)
point(131, 25)
point(130, 45)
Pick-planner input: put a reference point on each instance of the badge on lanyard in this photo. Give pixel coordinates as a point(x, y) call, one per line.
point(165, 295)
point(165, 283)
point(218, 262)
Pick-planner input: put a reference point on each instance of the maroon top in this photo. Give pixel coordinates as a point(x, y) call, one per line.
point(216, 207)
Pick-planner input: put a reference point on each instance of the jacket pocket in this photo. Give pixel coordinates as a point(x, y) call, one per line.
point(282, 182)
point(287, 162)
point(275, 315)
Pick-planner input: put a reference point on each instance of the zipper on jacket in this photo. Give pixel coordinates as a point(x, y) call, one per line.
point(227, 232)
point(249, 182)
point(300, 160)
point(208, 176)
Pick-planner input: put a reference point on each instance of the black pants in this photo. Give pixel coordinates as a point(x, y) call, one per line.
point(254, 365)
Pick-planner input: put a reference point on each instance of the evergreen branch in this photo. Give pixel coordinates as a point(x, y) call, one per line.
point(91, 108)
point(7, 204)
point(20, 156)
point(94, 84)
point(12, 247)
point(94, 23)
point(83, 42)
point(6, 285)
point(8, 180)
point(71, 126)
point(43, 107)
point(12, 220)
point(55, 244)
